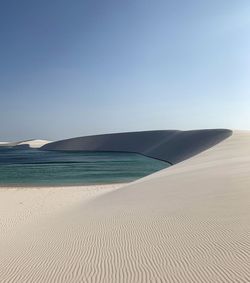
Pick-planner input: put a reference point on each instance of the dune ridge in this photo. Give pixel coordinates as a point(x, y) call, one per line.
point(168, 145)
point(186, 223)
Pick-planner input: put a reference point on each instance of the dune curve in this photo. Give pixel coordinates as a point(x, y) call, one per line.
point(168, 145)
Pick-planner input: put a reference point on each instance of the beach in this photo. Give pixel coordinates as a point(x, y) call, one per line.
point(185, 223)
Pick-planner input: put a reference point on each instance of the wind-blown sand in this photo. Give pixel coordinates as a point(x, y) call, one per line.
point(186, 223)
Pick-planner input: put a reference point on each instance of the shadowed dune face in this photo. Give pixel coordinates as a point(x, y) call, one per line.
point(168, 145)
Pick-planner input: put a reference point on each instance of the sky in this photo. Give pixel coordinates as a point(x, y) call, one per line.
point(79, 67)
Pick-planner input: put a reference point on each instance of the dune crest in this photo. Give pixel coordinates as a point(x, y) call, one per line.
point(168, 145)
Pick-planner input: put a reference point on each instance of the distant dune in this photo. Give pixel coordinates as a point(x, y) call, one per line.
point(187, 223)
point(34, 143)
point(4, 143)
point(8, 144)
point(25, 144)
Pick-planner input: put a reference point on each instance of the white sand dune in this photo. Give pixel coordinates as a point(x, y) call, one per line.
point(186, 223)
point(27, 143)
point(34, 143)
point(3, 143)
point(8, 144)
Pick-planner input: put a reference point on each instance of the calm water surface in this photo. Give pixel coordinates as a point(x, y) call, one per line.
point(32, 167)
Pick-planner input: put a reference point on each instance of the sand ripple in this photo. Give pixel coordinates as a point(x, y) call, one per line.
point(189, 223)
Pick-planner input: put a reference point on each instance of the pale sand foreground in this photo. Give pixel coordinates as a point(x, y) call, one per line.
point(187, 223)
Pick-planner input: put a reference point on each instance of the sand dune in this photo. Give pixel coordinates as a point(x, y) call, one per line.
point(8, 144)
point(3, 143)
point(25, 144)
point(34, 143)
point(168, 145)
point(187, 223)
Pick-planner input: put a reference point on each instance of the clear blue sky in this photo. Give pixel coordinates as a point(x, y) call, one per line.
point(78, 67)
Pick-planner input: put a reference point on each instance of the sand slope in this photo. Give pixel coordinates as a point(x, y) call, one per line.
point(187, 223)
point(172, 146)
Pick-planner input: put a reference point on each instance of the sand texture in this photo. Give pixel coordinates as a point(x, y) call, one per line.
point(187, 223)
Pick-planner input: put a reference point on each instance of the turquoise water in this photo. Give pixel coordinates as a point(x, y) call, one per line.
point(32, 167)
